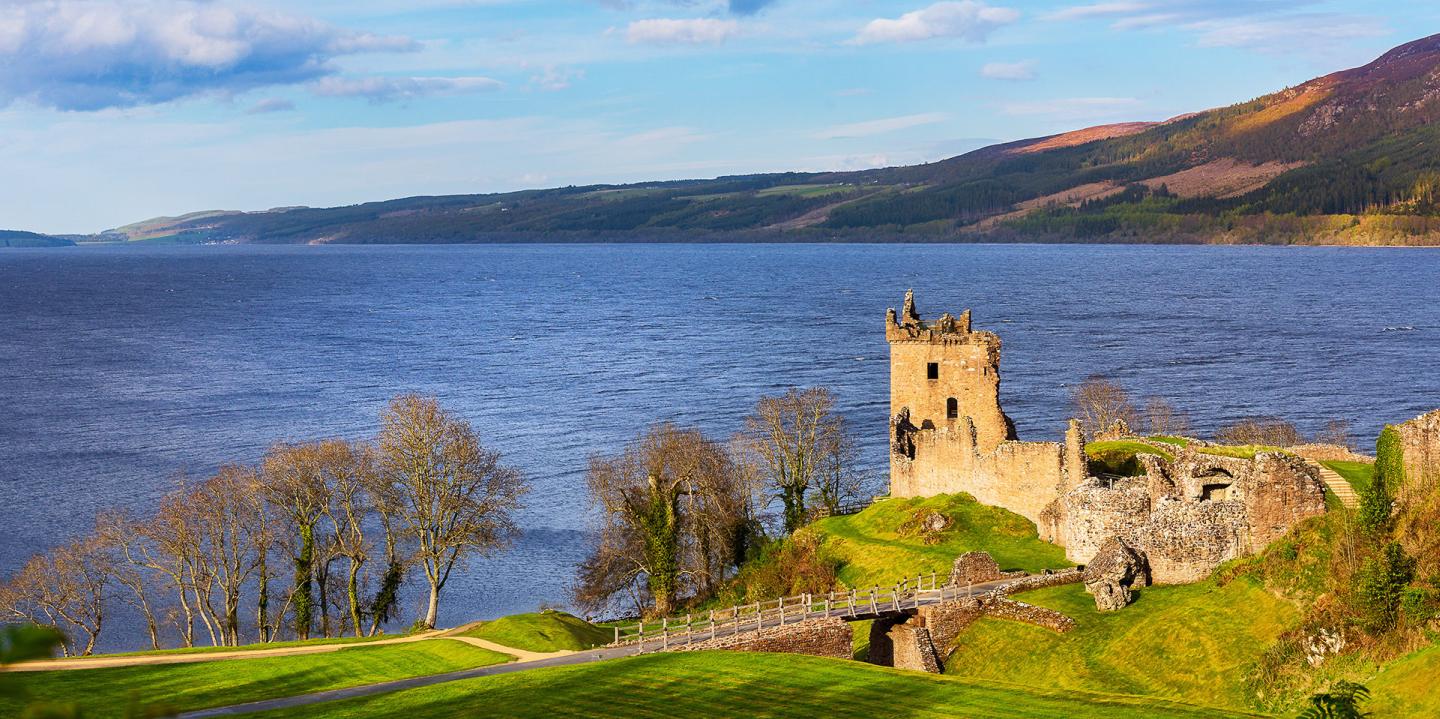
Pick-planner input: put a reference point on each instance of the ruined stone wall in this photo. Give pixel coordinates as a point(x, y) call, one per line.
point(1006, 608)
point(826, 637)
point(1023, 477)
point(913, 648)
point(1420, 441)
point(1195, 513)
point(1328, 453)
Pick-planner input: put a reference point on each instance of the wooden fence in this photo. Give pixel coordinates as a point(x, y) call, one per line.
point(848, 605)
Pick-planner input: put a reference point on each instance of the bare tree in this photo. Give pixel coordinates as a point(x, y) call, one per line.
point(295, 486)
point(1268, 431)
point(226, 518)
point(122, 535)
point(670, 503)
point(453, 496)
point(1163, 419)
point(1336, 431)
point(1100, 402)
point(350, 474)
point(801, 443)
point(65, 588)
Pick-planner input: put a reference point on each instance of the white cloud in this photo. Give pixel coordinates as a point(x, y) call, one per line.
point(389, 89)
point(968, 20)
point(555, 77)
point(1280, 33)
point(1101, 9)
point(94, 54)
point(878, 127)
point(666, 31)
point(268, 105)
point(1014, 71)
point(1074, 108)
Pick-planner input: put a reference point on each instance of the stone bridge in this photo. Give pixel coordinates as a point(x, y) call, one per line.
point(913, 621)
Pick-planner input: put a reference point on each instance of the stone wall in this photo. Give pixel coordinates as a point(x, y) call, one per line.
point(1190, 515)
point(1006, 608)
point(1328, 453)
point(1420, 441)
point(1041, 581)
point(826, 637)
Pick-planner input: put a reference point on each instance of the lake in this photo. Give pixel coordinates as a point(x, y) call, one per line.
point(122, 366)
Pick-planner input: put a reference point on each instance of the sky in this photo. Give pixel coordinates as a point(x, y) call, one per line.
point(114, 111)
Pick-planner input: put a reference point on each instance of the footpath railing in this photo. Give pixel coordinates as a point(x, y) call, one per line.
point(852, 604)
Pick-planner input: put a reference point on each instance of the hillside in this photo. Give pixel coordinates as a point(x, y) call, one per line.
point(17, 238)
point(1345, 158)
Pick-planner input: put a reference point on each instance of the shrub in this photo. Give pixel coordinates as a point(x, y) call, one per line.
point(1376, 502)
point(1380, 586)
point(1261, 430)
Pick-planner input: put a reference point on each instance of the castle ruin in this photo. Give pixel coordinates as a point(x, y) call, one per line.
point(949, 434)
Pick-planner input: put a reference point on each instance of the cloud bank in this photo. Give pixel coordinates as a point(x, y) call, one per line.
point(97, 54)
point(968, 20)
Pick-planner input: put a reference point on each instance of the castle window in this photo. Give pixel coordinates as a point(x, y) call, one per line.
point(932, 370)
point(952, 408)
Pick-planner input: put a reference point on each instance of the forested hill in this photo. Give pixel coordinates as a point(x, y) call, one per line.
point(17, 238)
point(1350, 158)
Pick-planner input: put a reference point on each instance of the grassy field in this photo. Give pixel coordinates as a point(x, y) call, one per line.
point(1358, 474)
point(726, 684)
point(872, 549)
point(247, 647)
point(543, 632)
point(102, 693)
point(1189, 643)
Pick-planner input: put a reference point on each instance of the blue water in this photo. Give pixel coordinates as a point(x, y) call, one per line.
point(120, 367)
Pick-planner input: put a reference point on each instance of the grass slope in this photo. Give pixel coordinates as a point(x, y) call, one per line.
point(543, 632)
point(1189, 643)
point(728, 684)
point(1406, 687)
point(872, 549)
point(101, 693)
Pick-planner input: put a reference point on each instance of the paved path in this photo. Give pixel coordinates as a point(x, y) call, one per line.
point(1338, 486)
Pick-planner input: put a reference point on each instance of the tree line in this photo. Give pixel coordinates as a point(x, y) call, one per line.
point(317, 538)
point(680, 512)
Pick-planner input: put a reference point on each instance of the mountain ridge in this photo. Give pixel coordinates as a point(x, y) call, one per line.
point(1348, 157)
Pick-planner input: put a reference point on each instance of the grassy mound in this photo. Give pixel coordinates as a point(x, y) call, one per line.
point(876, 546)
point(1189, 643)
point(543, 632)
point(101, 693)
point(1239, 451)
point(733, 684)
point(1119, 456)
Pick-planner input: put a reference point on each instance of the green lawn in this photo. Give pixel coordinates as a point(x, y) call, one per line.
point(805, 190)
point(1118, 456)
point(732, 684)
point(101, 693)
point(1177, 441)
point(543, 632)
point(247, 647)
point(1241, 451)
point(872, 550)
point(1406, 686)
point(1358, 474)
point(1190, 643)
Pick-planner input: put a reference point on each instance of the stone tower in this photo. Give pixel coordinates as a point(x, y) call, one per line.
point(943, 373)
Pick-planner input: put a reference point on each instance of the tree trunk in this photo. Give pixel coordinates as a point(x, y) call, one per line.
point(434, 609)
point(353, 587)
point(262, 609)
point(304, 602)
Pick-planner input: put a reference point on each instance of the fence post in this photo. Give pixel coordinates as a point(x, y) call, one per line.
point(759, 617)
point(712, 625)
point(665, 638)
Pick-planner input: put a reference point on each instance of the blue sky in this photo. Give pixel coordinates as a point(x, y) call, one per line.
point(113, 111)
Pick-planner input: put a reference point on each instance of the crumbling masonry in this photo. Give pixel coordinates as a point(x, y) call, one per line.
point(949, 434)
